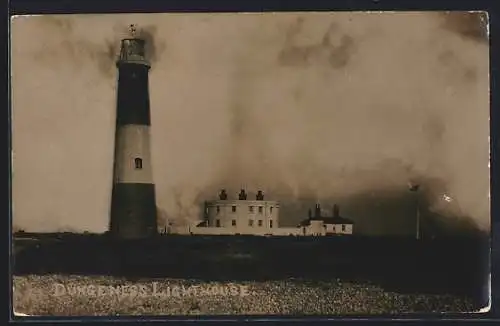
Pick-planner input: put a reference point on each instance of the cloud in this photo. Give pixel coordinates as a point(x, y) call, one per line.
point(469, 25)
point(337, 56)
point(318, 106)
point(71, 45)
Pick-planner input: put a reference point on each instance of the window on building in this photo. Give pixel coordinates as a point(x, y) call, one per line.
point(217, 223)
point(233, 222)
point(271, 209)
point(234, 209)
point(218, 209)
point(260, 222)
point(250, 209)
point(270, 223)
point(250, 222)
point(138, 163)
point(260, 209)
point(343, 227)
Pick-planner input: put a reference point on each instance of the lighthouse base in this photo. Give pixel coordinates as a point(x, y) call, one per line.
point(133, 211)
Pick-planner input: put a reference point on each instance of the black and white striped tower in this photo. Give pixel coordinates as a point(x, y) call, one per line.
point(133, 204)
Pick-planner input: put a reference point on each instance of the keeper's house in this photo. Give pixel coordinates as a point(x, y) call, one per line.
point(319, 225)
point(261, 217)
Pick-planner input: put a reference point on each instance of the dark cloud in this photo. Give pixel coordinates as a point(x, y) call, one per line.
point(74, 49)
point(154, 45)
point(342, 108)
point(383, 211)
point(106, 57)
point(463, 69)
point(325, 52)
point(469, 25)
point(78, 49)
point(339, 57)
point(61, 23)
point(447, 57)
point(470, 74)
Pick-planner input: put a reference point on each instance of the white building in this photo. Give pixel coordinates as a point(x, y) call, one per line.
point(319, 225)
point(243, 214)
point(239, 216)
point(261, 217)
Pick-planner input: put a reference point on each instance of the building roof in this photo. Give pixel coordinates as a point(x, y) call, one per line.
point(327, 220)
point(335, 219)
point(201, 224)
point(237, 202)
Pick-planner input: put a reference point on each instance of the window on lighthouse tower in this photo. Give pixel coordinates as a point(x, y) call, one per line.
point(138, 163)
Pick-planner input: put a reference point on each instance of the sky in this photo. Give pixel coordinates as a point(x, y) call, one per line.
point(344, 108)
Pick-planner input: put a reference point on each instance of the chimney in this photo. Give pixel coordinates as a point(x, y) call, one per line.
point(242, 195)
point(310, 213)
point(336, 210)
point(317, 212)
point(223, 194)
point(260, 195)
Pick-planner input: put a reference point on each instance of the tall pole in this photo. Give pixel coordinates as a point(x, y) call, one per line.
point(418, 216)
point(414, 188)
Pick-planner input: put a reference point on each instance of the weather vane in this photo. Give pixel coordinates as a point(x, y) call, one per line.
point(132, 29)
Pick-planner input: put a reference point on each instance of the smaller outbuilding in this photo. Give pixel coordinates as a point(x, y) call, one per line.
point(326, 225)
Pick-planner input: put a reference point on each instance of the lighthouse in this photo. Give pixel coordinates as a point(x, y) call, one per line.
point(133, 203)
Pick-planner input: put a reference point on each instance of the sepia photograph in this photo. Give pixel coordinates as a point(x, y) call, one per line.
point(250, 164)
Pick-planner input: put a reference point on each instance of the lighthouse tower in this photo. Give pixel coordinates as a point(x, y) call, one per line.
point(133, 204)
